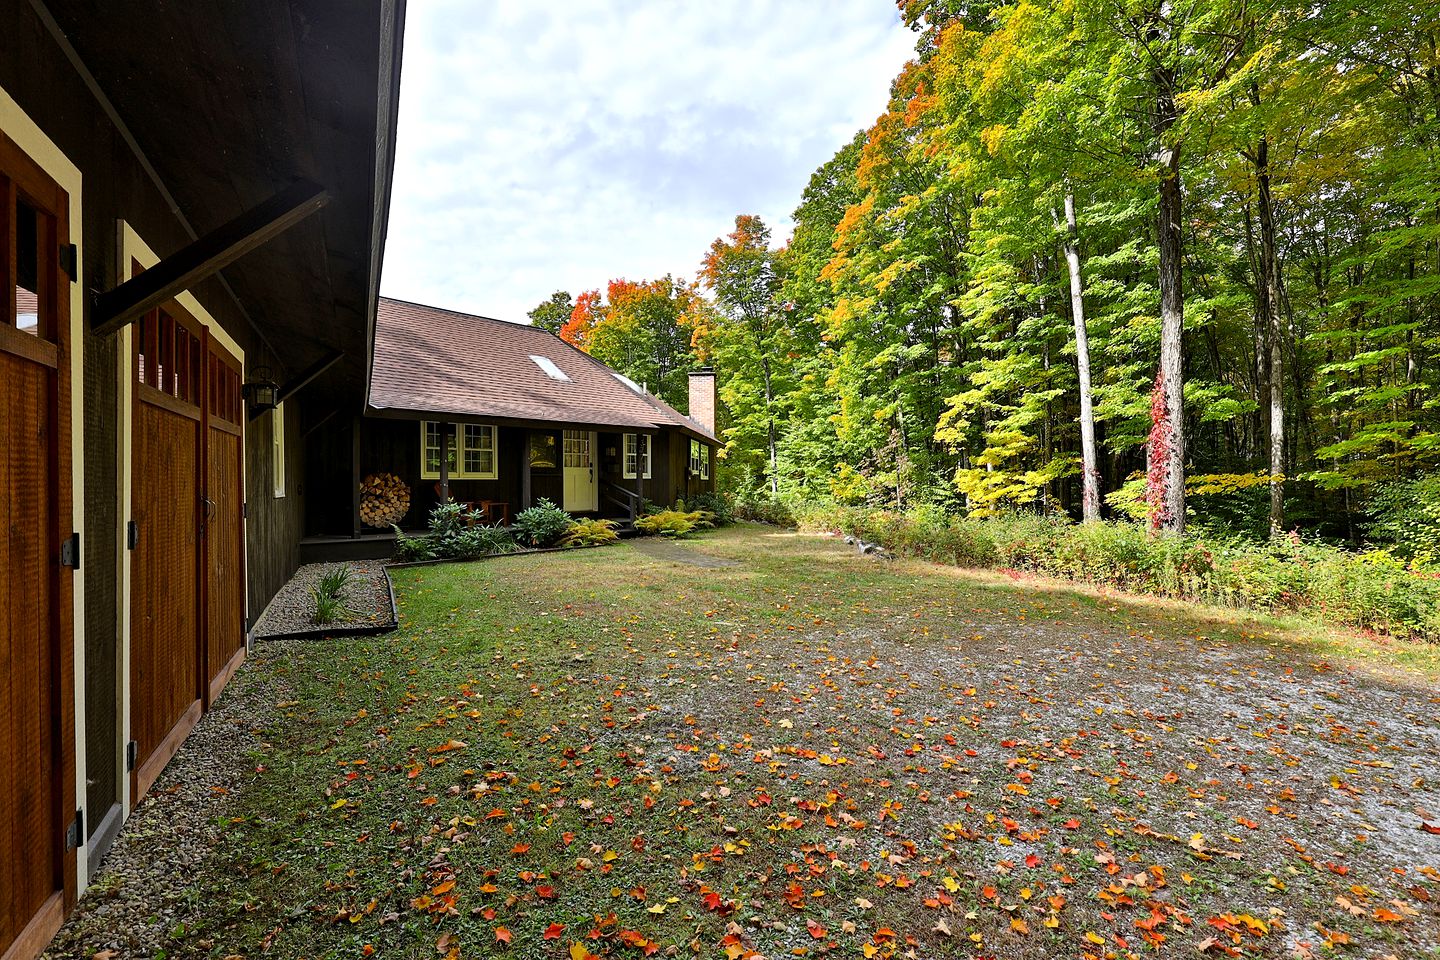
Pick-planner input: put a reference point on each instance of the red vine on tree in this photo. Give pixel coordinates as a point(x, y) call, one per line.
point(1158, 455)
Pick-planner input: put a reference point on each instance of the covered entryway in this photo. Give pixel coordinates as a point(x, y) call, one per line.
point(37, 788)
point(582, 487)
point(186, 531)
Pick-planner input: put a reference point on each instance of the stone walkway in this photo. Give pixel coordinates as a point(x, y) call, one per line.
point(672, 552)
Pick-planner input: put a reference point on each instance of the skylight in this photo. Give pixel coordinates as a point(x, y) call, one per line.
point(628, 382)
point(551, 371)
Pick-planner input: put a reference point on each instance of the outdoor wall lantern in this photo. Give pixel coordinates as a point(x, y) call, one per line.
point(261, 390)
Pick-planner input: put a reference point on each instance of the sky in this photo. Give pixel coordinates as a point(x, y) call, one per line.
point(557, 146)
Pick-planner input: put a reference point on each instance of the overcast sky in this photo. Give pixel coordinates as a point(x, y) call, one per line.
point(557, 145)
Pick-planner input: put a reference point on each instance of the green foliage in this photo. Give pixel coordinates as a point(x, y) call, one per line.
point(1370, 591)
point(456, 533)
point(764, 510)
point(718, 506)
point(329, 595)
point(554, 313)
point(1407, 514)
point(589, 532)
point(674, 523)
point(541, 525)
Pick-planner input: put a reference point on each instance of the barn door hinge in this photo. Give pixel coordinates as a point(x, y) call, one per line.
point(132, 534)
point(70, 551)
point(75, 833)
point(245, 510)
point(132, 752)
point(70, 260)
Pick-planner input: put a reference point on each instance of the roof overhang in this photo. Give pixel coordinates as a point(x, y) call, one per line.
point(227, 105)
point(388, 413)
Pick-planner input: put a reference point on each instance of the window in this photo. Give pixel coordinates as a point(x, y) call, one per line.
point(699, 460)
point(277, 449)
point(471, 454)
point(551, 371)
point(637, 456)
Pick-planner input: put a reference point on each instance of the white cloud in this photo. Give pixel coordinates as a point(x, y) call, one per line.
point(557, 146)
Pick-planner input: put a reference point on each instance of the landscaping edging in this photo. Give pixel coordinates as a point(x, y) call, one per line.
point(344, 630)
point(495, 556)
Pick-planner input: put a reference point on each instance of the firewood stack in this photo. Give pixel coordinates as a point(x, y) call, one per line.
point(384, 499)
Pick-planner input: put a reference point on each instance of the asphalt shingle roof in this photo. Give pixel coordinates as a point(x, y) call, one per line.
point(430, 360)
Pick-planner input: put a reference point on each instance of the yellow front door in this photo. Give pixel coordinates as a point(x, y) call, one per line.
point(582, 486)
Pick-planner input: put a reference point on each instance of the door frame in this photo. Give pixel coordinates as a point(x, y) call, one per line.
point(594, 499)
point(131, 248)
point(32, 141)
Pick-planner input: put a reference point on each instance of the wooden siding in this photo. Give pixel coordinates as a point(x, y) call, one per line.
point(29, 814)
point(164, 603)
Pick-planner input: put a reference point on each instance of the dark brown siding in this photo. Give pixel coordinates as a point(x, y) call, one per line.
point(102, 646)
point(272, 530)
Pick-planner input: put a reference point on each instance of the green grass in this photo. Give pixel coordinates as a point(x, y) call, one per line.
point(813, 751)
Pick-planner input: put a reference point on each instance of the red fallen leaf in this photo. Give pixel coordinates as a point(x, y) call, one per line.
point(816, 930)
point(553, 931)
point(1386, 915)
point(502, 935)
point(545, 892)
point(1032, 861)
point(1429, 828)
point(520, 848)
point(449, 745)
point(1071, 824)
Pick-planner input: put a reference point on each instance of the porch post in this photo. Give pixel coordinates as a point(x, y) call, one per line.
point(444, 462)
point(525, 470)
point(639, 501)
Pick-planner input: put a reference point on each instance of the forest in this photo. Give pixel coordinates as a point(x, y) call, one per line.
point(1170, 263)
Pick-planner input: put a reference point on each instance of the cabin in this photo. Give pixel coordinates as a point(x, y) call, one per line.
point(497, 415)
point(193, 201)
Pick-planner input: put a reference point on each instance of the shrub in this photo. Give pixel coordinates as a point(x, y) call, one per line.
point(541, 525)
point(763, 511)
point(589, 533)
point(456, 533)
point(721, 506)
point(1407, 515)
point(1374, 590)
point(674, 523)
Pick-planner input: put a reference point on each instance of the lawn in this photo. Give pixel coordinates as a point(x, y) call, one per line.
point(813, 752)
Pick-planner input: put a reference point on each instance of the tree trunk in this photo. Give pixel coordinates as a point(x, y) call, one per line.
point(1168, 437)
point(770, 426)
point(1089, 470)
point(1274, 325)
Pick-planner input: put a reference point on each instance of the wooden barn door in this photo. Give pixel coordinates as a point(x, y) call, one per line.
point(37, 724)
point(166, 685)
point(224, 521)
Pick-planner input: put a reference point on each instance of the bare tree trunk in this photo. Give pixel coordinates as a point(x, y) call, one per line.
point(1089, 470)
point(1170, 444)
point(1275, 327)
point(770, 427)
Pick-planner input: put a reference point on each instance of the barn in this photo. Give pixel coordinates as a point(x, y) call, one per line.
point(193, 201)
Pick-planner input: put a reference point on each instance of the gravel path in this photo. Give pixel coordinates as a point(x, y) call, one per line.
point(138, 904)
point(293, 608)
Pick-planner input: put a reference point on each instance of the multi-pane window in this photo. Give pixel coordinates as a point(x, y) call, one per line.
point(577, 448)
point(477, 450)
point(471, 451)
point(637, 456)
point(699, 460)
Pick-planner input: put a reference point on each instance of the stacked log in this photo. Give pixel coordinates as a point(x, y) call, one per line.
point(384, 499)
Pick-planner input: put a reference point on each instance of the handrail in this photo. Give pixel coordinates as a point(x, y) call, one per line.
point(631, 502)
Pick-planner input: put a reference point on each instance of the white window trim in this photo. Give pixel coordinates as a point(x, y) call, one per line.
point(699, 460)
point(456, 435)
point(277, 449)
point(625, 469)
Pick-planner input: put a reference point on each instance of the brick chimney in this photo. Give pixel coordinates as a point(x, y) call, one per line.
point(702, 397)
